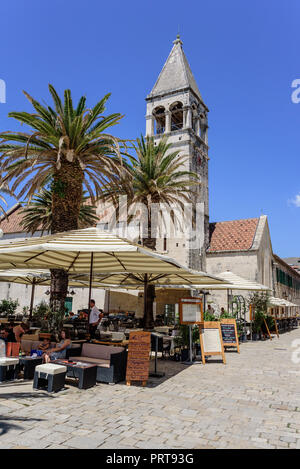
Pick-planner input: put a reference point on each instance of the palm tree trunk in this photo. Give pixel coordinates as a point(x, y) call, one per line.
point(58, 289)
point(67, 197)
point(66, 201)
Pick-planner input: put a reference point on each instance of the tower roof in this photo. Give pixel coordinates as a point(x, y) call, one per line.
point(176, 73)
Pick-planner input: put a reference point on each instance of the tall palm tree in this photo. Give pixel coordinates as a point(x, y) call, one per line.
point(154, 176)
point(68, 145)
point(4, 191)
point(37, 215)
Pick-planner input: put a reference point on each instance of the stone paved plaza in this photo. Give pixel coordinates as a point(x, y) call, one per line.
point(252, 402)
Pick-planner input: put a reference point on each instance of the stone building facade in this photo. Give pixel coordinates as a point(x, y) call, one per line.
point(286, 280)
point(244, 247)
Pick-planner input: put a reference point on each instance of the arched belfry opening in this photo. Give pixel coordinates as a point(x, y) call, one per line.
point(176, 110)
point(195, 119)
point(203, 127)
point(159, 120)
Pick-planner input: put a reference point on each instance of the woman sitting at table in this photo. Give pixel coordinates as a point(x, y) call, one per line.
point(60, 351)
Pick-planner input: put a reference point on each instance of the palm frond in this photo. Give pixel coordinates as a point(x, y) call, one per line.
point(62, 138)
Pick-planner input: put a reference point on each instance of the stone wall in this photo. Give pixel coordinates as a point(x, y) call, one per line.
point(284, 291)
point(244, 264)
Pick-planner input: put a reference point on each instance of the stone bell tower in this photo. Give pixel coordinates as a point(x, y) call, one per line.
point(175, 109)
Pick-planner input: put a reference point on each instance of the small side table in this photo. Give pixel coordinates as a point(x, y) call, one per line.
point(156, 374)
point(86, 373)
point(9, 368)
point(28, 364)
point(49, 376)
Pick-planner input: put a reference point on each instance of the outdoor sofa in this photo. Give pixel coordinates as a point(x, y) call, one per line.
point(28, 345)
point(110, 361)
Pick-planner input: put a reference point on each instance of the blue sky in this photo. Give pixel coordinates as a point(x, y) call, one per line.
point(244, 56)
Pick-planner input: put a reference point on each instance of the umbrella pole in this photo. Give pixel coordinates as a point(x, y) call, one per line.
point(32, 298)
point(90, 285)
point(228, 304)
point(145, 297)
point(108, 301)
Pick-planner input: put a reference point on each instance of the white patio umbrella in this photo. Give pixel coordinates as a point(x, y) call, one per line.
point(24, 277)
point(282, 302)
point(236, 282)
point(128, 280)
point(93, 251)
point(38, 277)
point(277, 301)
point(233, 281)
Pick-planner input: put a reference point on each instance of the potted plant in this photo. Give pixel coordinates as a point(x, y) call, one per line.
point(8, 307)
point(259, 302)
point(50, 322)
point(241, 331)
point(255, 331)
point(183, 340)
point(209, 316)
point(257, 325)
point(226, 315)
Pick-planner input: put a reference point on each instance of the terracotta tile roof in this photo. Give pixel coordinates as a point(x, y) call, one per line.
point(236, 235)
point(12, 224)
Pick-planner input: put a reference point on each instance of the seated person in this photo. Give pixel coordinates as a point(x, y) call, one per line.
point(19, 330)
point(60, 351)
point(10, 334)
point(45, 345)
point(73, 316)
point(4, 334)
point(83, 315)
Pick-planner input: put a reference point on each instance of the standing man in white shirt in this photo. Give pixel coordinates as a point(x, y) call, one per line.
point(94, 319)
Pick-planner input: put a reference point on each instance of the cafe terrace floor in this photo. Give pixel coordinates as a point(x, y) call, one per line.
point(252, 402)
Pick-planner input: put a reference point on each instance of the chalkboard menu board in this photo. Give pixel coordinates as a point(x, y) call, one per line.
point(211, 340)
point(229, 333)
point(138, 357)
point(190, 310)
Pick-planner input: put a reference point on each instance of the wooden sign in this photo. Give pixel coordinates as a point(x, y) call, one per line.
point(138, 359)
point(190, 310)
point(250, 312)
point(265, 329)
point(229, 333)
point(211, 341)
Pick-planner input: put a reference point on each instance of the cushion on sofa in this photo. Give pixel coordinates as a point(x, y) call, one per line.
point(99, 351)
point(96, 361)
point(28, 345)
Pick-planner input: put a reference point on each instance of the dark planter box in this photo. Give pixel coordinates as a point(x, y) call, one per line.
point(185, 354)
